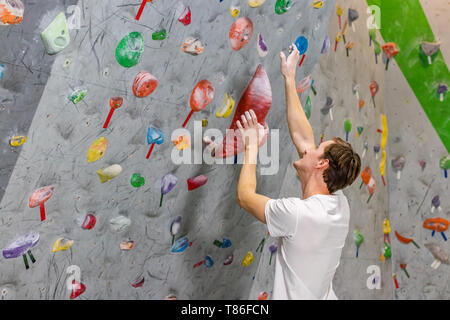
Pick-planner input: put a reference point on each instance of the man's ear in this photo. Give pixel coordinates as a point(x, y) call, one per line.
point(323, 164)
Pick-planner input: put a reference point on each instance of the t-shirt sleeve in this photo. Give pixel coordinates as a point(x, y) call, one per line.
point(282, 216)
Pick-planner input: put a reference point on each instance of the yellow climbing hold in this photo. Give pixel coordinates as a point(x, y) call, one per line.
point(386, 226)
point(97, 150)
point(317, 4)
point(234, 11)
point(384, 134)
point(226, 108)
point(255, 3)
point(62, 244)
point(383, 162)
point(17, 141)
point(248, 259)
point(109, 173)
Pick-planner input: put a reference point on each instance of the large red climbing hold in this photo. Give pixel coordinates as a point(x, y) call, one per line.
point(257, 96)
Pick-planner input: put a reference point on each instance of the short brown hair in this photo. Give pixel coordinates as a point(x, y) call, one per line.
point(344, 165)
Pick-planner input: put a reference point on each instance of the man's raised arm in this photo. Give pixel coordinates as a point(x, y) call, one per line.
point(301, 132)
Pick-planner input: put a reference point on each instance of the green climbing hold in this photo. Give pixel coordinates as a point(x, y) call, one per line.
point(137, 180)
point(56, 36)
point(358, 239)
point(387, 251)
point(377, 48)
point(444, 162)
point(347, 125)
point(130, 49)
point(282, 6)
point(360, 130)
point(159, 35)
point(77, 95)
point(308, 107)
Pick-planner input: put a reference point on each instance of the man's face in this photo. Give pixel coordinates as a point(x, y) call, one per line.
point(312, 159)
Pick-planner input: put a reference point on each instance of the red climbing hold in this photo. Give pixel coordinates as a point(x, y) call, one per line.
point(194, 183)
point(257, 96)
point(77, 289)
point(185, 17)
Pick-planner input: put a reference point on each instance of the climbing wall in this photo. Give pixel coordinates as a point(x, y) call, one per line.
point(334, 80)
point(114, 260)
point(63, 130)
point(423, 141)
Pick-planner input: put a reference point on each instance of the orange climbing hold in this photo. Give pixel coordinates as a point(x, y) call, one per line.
point(361, 103)
point(11, 12)
point(436, 224)
point(365, 175)
point(405, 240)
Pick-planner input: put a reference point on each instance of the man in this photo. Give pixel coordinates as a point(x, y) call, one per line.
point(312, 229)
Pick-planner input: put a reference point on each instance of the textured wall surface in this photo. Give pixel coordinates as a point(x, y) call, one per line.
point(61, 133)
point(410, 197)
point(334, 77)
point(27, 71)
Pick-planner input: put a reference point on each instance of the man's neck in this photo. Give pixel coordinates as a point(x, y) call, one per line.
point(313, 187)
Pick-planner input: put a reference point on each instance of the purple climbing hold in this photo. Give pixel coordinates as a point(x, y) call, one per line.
point(325, 45)
point(436, 201)
point(20, 245)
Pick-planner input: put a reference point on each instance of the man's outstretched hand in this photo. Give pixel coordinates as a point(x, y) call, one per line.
point(289, 66)
point(250, 130)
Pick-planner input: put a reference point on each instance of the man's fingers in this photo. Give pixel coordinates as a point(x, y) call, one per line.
point(295, 50)
point(253, 117)
point(240, 131)
point(253, 114)
point(283, 59)
point(244, 121)
point(249, 119)
point(292, 48)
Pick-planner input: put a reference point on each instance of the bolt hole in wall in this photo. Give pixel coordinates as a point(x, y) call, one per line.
point(136, 213)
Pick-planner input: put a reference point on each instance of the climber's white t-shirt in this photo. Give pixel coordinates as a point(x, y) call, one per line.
point(311, 233)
